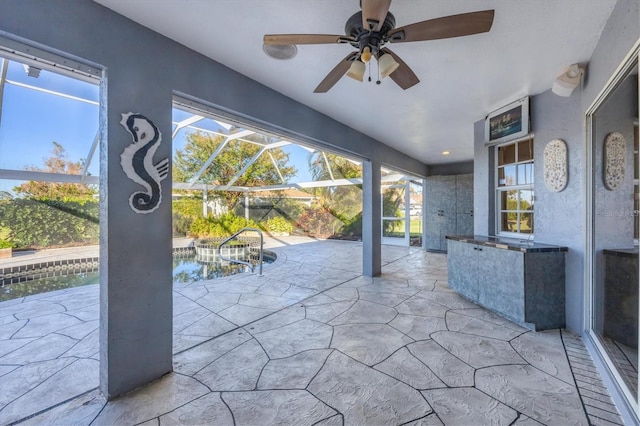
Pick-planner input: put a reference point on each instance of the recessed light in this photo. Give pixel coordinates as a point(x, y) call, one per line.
point(445, 153)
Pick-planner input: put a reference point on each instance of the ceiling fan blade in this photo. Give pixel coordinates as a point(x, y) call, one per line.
point(336, 74)
point(374, 10)
point(445, 27)
point(403, 75)
point(302, 39)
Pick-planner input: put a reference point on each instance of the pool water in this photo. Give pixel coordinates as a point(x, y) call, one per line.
point(186, 269)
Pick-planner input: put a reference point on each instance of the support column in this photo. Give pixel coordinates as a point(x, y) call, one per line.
point(136, 298)
point(371, 219)
point(246, 205)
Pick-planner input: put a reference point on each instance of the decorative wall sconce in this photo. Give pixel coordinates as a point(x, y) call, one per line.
point(555, 165)
point(614, 160)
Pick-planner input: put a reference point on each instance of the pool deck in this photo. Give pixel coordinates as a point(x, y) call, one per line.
point(312, 341)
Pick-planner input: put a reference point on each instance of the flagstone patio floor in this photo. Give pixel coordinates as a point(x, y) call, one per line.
point(311, 342)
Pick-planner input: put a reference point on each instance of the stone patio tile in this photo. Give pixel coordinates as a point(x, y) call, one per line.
point(182, 305)
point(23, 379)
point(337, 420)
point(206, 410)
point(74, 300)
point(457, 321)
point(88, 313)
point(79, 411)
point(74, 379)
point(327, 312)
point(10, 328)
point(425, 282)
point(419, 306)
point(278, 319)
point(273, 288)
point(182, 320)
point(160, 397)
point(294, 372)
point(216, 302)
point(418, 327)
point(31, 309)
point(365, 396)
point(534, 393)
point(430, 420)
point(85, 348)
point(477, 351)
point(80, 331)
point(193, 291)
point(358, 281)
point(298, 293)
point(342, 294)
point(195, 359)
point(483, 314)
point(242, 315)
point(406, 368)
point(545, 351)
point(8, 346)
point(448, 300)
point(382, 297)
point(43, 349)
point(182, 342)
point(236, 370)
point(468, 406)
point(264, 302)
point(318, 299)
point(368, 343)
point(277, 407)
point(6, 369)
point(366, 312)
point(525, 421)
point(232, 286)
point(44, 324)
point(210, 326)
point(448, 368)
point(293, 338)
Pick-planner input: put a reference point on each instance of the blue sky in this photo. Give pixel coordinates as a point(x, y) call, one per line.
point(32, 120)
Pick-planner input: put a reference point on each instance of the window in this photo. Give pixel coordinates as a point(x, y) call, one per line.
point(514, 189)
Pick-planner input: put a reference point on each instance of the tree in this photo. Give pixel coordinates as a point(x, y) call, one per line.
point(58, 162)
point(235, 155)
point(343, 201)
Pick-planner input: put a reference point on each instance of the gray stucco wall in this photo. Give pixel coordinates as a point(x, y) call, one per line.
point(560, 218)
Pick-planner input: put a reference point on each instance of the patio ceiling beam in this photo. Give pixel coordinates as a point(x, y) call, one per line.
point(216, 153)
point(3, 77)
point(184, 123)
point(51, 92)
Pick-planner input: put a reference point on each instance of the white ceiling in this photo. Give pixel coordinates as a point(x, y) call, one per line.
point(461, 79)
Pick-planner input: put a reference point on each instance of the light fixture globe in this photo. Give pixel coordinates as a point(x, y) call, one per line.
point(356, 71)
point(387, 65)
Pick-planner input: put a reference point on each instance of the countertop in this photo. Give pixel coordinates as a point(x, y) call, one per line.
point(515, 244)
point(622, 252)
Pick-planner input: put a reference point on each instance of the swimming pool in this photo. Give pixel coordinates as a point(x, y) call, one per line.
point(186, 268)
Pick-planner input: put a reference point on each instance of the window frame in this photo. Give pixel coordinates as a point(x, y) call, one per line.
point(498, 189)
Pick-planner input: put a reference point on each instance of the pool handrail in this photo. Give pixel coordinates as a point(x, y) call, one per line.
point(243, 262)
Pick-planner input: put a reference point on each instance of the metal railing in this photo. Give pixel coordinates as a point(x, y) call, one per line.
point(243, 262)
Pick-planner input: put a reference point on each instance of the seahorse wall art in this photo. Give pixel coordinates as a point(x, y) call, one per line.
point(137, 162)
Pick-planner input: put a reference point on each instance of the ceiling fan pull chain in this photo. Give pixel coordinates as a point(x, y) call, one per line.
point(369, 69)
point(378, 65)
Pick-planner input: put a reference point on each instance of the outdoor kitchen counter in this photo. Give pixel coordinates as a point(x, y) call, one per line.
point(520, 280)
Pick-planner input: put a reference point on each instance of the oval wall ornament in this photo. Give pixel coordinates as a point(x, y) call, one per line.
point(614, 160)
point(555, 165)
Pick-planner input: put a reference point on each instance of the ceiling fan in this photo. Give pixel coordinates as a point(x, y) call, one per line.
point(370, 29)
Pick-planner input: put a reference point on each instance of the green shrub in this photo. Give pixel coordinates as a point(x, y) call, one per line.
point(185, 211)
point(46, 223)
point(318, 222)
point(279, 224)
point(221, 226)
point(4, 244)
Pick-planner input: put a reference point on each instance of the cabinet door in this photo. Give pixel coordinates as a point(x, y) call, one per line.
point(447, 227)
point(464, 194)
point(432, 222)
point(464, 224)
point(501, 281)
point(440, 193)
point(462, 260)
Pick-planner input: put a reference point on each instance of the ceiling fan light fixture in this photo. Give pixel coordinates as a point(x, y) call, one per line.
point(366, 54)
point(387, 65)
point(356, 71)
